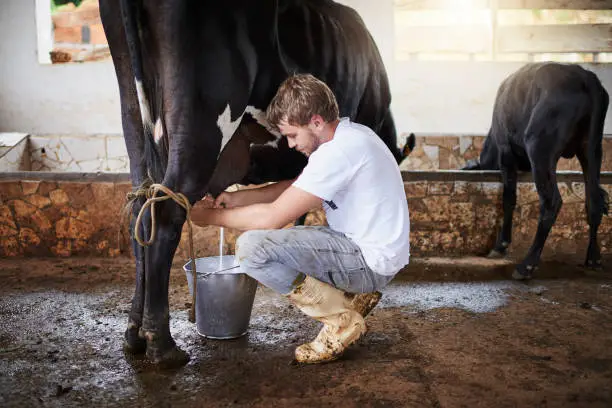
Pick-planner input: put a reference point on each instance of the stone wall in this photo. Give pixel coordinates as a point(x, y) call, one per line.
point(78, 153)
point(107, 153)
point(452, 152)
point(64, 218)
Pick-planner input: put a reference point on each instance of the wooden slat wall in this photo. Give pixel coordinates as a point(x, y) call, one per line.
point(529, 39)
point(508, 4)
point(555, 38)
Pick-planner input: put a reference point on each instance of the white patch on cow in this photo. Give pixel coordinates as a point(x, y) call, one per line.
point(158, 131)
point(227, 126)
point(144, 106)
point(260, 117)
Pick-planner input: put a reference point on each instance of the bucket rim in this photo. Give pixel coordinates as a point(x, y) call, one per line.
point(187, 266)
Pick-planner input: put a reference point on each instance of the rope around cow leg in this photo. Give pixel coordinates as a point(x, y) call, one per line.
point(151, 194)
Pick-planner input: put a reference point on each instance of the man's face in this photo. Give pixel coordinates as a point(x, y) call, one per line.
point(301, 138)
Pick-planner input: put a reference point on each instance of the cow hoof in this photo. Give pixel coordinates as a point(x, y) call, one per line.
point(173, 357)
point(527, 274)
point(133, 343)
point(591, 264)
point(496, 254)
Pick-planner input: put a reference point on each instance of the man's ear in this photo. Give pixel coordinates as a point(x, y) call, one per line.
point(317, 122)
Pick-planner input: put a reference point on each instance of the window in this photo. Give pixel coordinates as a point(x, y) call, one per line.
point(70, 31)
point(503, 30)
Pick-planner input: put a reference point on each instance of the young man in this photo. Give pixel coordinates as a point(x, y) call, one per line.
point(330, 274)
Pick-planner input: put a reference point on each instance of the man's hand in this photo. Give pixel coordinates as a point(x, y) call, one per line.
point(291, 204)
point(202, 211)
point(227, 200)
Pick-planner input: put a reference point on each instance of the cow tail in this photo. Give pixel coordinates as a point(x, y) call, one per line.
point(131, 11)
point(598, 196)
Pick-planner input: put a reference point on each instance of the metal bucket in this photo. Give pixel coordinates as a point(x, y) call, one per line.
point(225, 297)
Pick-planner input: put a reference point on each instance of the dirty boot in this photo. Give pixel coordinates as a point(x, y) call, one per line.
point(342, 325)
point(364, 302)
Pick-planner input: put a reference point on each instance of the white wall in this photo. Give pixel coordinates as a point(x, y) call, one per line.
point(82, 99)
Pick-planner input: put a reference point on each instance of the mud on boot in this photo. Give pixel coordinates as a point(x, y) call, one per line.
point(363, 303)
point(342, 325)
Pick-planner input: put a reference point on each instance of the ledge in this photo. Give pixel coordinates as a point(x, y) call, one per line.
point(407, 176)
point(491, 176)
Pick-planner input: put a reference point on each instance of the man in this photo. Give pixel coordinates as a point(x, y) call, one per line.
point(354, 176)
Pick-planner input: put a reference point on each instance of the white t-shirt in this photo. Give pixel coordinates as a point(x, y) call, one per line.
point(358, 177)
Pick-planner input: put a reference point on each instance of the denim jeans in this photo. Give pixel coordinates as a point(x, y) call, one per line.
point(281, 259)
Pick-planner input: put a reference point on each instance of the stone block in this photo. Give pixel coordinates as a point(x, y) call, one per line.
point(6, 216)
point(73, 228)
point(85, 149)
point(22, 209)
point(8, 231)
point(527, 194)
point(10, 247)
point(415, 189)
point(115, 147)
point(439, 209)
point(9, 190)
point(59, 197)
point(440, 187)
point(29, 187)
point(63, 248)
point(28, 238)
point(80, 194)
point(419, 213)
point(38, 200)
point(40, 220)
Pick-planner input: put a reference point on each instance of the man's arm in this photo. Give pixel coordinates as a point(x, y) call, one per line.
point(291, 204)
point(265, 194)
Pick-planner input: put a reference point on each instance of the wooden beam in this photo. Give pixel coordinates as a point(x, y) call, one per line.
point(555, 38)
point(556, 4)
point(505, 4)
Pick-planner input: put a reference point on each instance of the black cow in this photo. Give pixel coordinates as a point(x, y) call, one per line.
point(194, 79)
point(542, 112)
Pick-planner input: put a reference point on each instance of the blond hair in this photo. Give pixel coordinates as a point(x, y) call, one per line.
point(299, 98)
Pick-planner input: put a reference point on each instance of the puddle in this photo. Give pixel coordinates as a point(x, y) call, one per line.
point(476, 297)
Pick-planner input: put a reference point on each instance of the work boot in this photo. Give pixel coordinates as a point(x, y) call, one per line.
point(342, 326)
point(364, 302)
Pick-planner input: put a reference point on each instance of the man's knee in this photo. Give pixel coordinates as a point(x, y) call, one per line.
point(249, 245)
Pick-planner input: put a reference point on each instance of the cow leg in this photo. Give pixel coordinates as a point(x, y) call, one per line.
point(132, 132)
point(545, 179)
point(161, 347)
point(509, 179)
point(134, 343)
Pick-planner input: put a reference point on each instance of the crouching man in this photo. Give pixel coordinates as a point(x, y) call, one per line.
point(331, 274)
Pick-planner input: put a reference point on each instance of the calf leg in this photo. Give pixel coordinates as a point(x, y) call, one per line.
point(509, 178)
point(550, 203)
point(596, 204)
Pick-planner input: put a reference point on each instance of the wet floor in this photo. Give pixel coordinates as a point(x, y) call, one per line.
point(447, 333)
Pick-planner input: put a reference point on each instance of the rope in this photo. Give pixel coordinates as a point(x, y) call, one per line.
point(150, 193)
